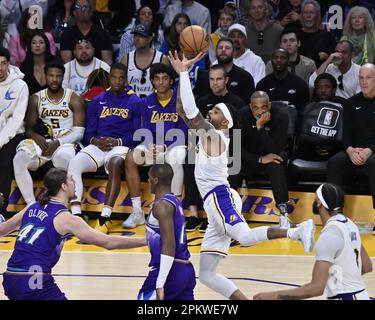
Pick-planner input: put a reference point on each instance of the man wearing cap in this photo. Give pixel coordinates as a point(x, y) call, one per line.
point(262, 34)
point(78, 70)
point(83, 11)
point(340, 259)
point(243, 57)
point(139, 61)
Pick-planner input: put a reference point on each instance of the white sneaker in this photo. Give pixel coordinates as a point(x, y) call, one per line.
point(135, 219)
point(307, 232)
point(284, 222)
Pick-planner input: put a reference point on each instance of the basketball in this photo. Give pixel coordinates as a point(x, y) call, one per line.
point(194, 39)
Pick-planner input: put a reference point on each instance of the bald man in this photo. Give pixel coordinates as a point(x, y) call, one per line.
point(359, 134)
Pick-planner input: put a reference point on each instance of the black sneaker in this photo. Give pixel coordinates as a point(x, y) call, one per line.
point(192, 223)
point(203, 226)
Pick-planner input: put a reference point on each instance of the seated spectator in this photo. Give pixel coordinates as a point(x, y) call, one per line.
point(264, 141)
point(359, 134)
point(84, 28)
point(145, 16)
point(198, 14)
point(282, 84)
point(227, 17)
point(84, 62)
point(243, 57)
point(311, 144)
point(263, 34)
point(60, 17)
point(19, 40)
point(359, 30)
point(139, 61)
point(171, 40)
point(37, 56)
point(340, 65)
point(290, 16)
point(316, 44)
point(299, 65)
point(97, 82)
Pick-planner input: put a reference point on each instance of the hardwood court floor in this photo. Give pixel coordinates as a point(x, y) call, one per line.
point(87, 272)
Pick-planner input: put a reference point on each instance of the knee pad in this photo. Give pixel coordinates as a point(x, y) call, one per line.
point(62, 156)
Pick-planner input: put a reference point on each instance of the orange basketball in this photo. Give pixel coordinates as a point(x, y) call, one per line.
point(194, 39)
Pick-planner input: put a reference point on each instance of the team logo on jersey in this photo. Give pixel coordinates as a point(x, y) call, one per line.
point(8, 95)
point(54, 113)
point(44, 99)
point(233, 218)
point(106, 112)
point(156, 117)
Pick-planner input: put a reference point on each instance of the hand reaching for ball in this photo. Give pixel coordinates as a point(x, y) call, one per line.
point(184, 64)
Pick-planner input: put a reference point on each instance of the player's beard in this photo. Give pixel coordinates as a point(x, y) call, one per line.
point(85, 62)
point(55, 90)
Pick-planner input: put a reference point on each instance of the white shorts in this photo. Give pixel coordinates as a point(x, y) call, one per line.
point(175, 155)
point(102, 158)
point(361, 295)
point(35, 152)
point(223, 206)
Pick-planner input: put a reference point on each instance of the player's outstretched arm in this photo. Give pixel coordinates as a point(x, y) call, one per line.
point(67, 223)
point(11, 224)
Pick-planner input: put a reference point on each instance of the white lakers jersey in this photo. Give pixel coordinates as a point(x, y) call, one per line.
point(75, 76)
point(211, 172)
point(139, 79)
point(345, 273)
point(58, 115)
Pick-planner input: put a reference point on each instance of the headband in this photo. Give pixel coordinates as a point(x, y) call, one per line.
point(320, 197)
point(226, 113)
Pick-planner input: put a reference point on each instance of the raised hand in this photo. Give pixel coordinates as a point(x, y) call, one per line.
point(184, 64)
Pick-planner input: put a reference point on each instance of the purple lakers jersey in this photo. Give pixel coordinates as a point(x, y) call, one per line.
point(153, 233)
point(38, 244)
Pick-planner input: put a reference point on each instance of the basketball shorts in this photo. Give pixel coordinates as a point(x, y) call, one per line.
point(102, 158)
point(359, 295)
point(223, 206)
point(179, 285)
point(35, 152)
point(23, 287)
point(174, 155)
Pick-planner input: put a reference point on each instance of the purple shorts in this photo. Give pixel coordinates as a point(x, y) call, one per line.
point(179, 285)
point(22, 287)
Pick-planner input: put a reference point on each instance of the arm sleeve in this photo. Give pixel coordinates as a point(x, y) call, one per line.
point(187, 97)
point(329, 245)
point(15, 121)
point(91, 122)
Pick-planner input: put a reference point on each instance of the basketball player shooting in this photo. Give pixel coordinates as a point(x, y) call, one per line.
point(222, 204)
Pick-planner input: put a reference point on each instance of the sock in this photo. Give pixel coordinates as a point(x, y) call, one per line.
point(293, 233)
point(137, 205)
point(106, 212)
point(76, 209)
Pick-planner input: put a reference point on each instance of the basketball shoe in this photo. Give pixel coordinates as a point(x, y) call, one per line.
point(306, 234)
point(134, 220)
point(102, 224)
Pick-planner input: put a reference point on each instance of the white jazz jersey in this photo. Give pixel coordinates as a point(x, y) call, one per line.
point(345, 273)
point(57, 115)
point(141, 87)
point(211, 172)
point(75, 76)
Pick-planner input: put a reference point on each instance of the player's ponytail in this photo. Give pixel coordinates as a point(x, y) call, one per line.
point(52, 181)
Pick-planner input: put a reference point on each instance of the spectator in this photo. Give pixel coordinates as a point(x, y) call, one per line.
point(359, 30)
point(243, 57)
point(145, 16)
point(171, 41)
point(139, 61)
point(37, 56)
point(60, 18)
point(240, 82)
point(84, 28)
point(315, 44)
point(282, 84)
point(84, 62)
point(13, 106)
point(19, 40)
point(198, 14)
point(227, 17)
point(298, 64)
point(340, 65)
point(359, 134)
point(310, 145)
point(263, 35)
point(97, 83)
point(264, 141)
point(290, 16)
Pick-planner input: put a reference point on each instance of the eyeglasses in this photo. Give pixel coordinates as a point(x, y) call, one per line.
point(341, 83)
point(82, 8)
point(260, 38)
point(143, 77)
